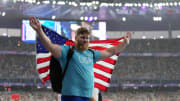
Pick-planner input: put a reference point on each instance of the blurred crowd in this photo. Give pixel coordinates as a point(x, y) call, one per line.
point(136, 46)
point(141, 96)
point(15, 44)
point(18, 67)
point(107, 96)
point(153, 46)
point(27, 96)
point(147, 68)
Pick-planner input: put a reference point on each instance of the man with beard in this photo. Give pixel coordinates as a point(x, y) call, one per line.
point(78, 82)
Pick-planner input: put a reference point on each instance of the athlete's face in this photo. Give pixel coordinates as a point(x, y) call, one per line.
point(82, 41)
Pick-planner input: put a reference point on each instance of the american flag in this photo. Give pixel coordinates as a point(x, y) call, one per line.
point(102, 69)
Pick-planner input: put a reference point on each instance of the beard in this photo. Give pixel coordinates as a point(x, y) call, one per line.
point(82, 47)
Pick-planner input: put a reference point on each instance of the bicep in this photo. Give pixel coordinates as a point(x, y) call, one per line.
point(56, 50)
point(104, 54)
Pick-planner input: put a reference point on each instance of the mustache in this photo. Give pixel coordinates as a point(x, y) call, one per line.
point(82, 47)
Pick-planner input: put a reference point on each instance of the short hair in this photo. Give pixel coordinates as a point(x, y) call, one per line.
point(82, 30)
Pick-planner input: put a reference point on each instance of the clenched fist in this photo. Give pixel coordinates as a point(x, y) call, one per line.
point(35, 24)
point(127, 38)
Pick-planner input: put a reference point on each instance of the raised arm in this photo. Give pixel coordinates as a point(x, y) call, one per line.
point(112, 51)
point(53, 48)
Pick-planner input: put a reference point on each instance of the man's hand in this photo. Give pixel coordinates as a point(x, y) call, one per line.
point(53, 48)
point(127, 38)
point(35, 24)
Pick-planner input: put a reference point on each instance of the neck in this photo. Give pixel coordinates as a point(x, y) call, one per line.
point(80, 48)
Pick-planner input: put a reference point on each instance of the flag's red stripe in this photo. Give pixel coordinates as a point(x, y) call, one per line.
point(41, 60)
point(106, 41)
point(101, 77)
point(102, 68)
point(98, 48)
point(117, 54)
point(69, 42)
point(99, 86)
point(44, 69)
point(103, 47)
point(110, 61)
point(116, 43)
point(45, 78)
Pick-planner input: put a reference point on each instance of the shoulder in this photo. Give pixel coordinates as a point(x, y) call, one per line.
point(64, 50)
point(91, 50)
point(96, 53)
point(65, 47)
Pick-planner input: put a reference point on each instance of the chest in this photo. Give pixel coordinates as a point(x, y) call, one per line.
point(83, 57)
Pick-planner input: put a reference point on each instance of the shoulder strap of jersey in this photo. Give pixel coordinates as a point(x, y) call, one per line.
point(69, 56)
point(92, 53)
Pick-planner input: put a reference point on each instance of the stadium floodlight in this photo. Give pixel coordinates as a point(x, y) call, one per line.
point(135, 4)
point(111, 4)
point(103, 4)
point(161, 37)
point(157, 18)
point(38, 3)
point(49, 87)
point(175, 3)
point(97, 2)
point(30, 1)
point(128, 4)
point(3, 13)
point(54, 2)
point(90, 19)
point(151, 5)
point(82, 4)
point(147, 4)
point(53, 17)
point(86, 18)
point(144, 4)
point(167, 4)
point(4, 34)
point(120, 4)
point(46, 2)
point(88, 4)
point(38, 87)
point(81, 18)
point(160, 18)
point(95, 18)
point(74, 4)
point(139, 4)
point(159, 4)
point(124, 19)
point(163, 4)
point(61, 3)
point(93, 2)
point(171, 4)
point(143, 37)
point(178, 36)
point(135, 88)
